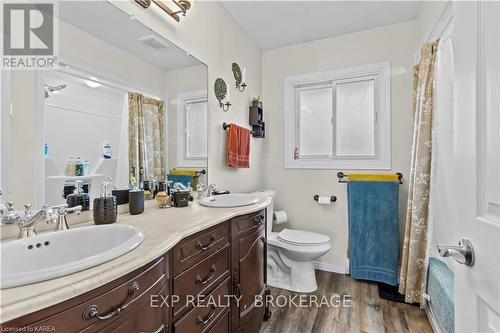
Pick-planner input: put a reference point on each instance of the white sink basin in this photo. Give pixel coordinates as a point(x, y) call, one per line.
point(59, 253)
point(229, 200)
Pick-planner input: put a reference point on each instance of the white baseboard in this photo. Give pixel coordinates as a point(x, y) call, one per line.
point(432, 320)
point(329, 267)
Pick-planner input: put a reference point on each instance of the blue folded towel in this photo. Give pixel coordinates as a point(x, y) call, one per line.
point(373, 230)
point(183, 179)
point(440, 288)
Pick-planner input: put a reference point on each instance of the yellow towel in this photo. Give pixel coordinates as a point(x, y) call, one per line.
point(187, 172)
point(373, 176)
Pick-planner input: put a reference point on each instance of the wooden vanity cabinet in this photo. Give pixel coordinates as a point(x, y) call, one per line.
point(132, 291)
point(228, 259)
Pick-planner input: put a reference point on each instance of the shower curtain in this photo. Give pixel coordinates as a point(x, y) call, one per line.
point(412, 280)
point(146, 137)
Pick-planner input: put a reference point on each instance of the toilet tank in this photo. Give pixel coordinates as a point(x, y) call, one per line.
point(269, 209)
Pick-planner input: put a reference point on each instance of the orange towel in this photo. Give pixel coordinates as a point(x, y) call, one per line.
point(238, 147)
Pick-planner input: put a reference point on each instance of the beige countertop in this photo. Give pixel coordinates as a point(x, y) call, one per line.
point(162, 228)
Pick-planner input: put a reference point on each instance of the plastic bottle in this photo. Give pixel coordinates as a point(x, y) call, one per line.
point(86, 168)
point(106, 151)
point(78, 167)
point(70, 167)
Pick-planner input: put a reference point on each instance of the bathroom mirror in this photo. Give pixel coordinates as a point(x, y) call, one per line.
point(124, 101)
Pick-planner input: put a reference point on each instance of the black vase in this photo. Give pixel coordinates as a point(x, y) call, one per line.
point(83, 200)
point(121, 196)
point(136, 202)
point(105, 210)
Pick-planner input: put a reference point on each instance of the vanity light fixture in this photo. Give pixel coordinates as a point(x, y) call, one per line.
point(239, 78)
point(53, 90)
point(183, 5)
point(221, 92)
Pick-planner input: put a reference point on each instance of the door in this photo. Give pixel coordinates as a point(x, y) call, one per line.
point(248, 252)
point(477, 161)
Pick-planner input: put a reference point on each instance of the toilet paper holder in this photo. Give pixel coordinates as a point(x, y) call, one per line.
point(332, 198)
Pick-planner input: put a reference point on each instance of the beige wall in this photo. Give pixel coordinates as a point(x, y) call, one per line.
point(296, 188)
point(210, 34)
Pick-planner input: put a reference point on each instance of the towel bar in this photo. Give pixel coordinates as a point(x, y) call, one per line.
point(198, 173)
point(225, 126)
point(341, 176)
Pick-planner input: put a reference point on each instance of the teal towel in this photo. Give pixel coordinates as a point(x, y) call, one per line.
point(373, 230)
point(183, 179)
point(440, 288)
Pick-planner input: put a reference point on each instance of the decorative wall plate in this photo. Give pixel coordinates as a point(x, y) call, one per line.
point(237, 73)
point(220, 90)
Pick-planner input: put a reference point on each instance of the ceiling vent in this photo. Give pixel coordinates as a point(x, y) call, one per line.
point(153, 42)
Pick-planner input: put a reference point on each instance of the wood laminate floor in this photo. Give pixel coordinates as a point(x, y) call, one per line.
point(367, 311)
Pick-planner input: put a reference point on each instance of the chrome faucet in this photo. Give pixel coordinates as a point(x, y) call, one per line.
point(61, 211)
point(28, 221)
point(9, 216)
point(205, 191)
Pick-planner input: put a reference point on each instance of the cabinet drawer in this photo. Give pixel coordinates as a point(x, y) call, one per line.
point(71, 319)
point(248, 223)
point(200, 278)
point(201, 318)
point(199, 246)
point(149, 319)
point(222, 326)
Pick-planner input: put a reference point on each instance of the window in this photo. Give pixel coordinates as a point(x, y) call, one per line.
point(192, 124)
point(339, 119)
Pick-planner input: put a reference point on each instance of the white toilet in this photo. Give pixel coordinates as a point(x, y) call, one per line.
point(290, 254)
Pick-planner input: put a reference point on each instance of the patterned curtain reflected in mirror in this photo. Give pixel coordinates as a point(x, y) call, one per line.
point(146, 137)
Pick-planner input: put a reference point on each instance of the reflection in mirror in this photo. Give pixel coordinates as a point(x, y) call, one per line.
point(125, 105)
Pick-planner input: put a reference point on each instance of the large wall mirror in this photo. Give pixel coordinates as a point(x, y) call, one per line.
point(123, 102)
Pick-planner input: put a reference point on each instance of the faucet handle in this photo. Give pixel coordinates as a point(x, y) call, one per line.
point(27, 209)
point(11, 206)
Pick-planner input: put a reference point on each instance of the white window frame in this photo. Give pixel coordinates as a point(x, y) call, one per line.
point(381, 72)
point(182, 99)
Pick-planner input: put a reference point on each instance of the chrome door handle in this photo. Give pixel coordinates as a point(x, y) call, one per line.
point(463, 253)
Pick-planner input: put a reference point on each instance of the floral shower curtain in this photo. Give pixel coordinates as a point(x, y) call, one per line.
point(414, 248)
point(146, 137)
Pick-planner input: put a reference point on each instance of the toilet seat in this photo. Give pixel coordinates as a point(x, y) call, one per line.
point(302, 238)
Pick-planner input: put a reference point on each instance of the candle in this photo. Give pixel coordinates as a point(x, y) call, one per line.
point(244, 78)
point(227, 95)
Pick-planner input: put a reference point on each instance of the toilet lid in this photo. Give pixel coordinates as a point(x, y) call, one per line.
point(300, 237)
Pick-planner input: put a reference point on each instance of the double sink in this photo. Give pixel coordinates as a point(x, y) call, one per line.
point(51, 255)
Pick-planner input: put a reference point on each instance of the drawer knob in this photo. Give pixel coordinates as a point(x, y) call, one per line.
point(206, 278)
point(93, 310)
point(203, 321)
point(202, 247)
point(259, 219)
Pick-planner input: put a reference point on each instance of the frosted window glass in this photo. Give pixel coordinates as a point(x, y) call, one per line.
point(196, 129)
point(355, 118)
point(316, 131)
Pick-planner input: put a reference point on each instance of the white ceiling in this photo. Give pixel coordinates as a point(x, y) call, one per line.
point(273, 24)
point(110, 24)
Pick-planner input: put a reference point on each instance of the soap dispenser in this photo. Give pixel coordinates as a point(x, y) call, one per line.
point(79, 197)
point(105, 207)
